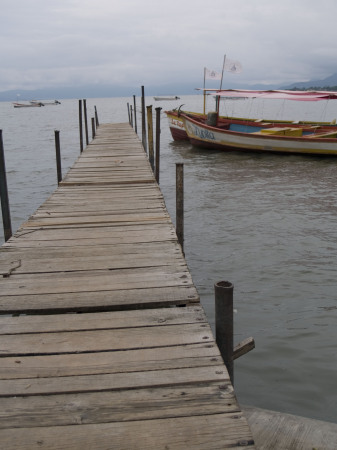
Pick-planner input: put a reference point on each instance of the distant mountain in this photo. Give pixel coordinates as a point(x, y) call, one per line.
point(330, 81)
point(104, 91)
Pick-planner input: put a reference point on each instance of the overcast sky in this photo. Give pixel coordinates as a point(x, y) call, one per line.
point(51, 43)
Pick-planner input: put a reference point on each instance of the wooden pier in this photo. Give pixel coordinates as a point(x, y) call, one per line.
point(104, 343)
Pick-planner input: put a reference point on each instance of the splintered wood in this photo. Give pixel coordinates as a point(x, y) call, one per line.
point(96, 351)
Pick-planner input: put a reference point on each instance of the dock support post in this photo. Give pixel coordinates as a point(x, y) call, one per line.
point(134, 109)
point(180, 203)
point(6, 216)
point(157, 143)
point(131, 116)
point(224, 323)
point(80, 124)
point(150, 135)
point(143, 121)
point(93, 127)
point(96, 118)
point(128, 107)
point(85, 121)
point(58, 156)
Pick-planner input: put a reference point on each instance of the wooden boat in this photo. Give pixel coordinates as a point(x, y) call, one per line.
point(166, 98)
point(55, 102)
point(28, 105)
point(314, 139)
point(178, 131)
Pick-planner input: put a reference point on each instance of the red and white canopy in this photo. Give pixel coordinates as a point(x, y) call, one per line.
point(311, 96)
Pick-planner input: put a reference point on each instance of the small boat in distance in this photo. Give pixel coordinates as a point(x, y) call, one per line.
point(55, 102)
point(35, 103)
point(167, 98)
point(28, 105)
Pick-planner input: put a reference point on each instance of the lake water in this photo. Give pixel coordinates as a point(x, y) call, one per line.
point(267, 223)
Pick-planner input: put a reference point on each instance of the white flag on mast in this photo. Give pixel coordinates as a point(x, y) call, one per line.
point(212, 74)
point(232, 66)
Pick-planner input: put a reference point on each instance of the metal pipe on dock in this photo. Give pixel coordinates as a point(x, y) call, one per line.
point(96, 118)
point(224, 323)
point(85, 121)
point(134, 109)
point(93, 127)
point(144, 142)
point(150, 135)
point(131, 116)
point(128, 108)
point(6, 216)
point(58, 156)
point(80, 124)
point(180, 203)
point(157, 144)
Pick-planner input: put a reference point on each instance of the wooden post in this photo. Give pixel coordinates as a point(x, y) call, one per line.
point(131, 116)
point(180, 203)
point(96, 118)
point(58, 156)
point(93, 127)
point(143, 121)
point(85, 122)
point(134, 110)
point(157, 144)
point(80, 124)
point(6, 216)
point(128, 107)
point(224, 328)
point(150, 135)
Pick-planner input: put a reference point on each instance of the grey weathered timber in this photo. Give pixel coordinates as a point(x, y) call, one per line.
point(272, 429)
point(5, 209)
point(108, 347)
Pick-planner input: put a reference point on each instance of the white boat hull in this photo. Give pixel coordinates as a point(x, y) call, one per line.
point(211, 137)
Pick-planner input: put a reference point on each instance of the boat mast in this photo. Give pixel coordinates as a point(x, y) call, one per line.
point(223, 68)
point(204, 90)
point(218, 97)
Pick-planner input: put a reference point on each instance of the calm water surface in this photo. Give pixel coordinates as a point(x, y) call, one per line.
point(267, 223)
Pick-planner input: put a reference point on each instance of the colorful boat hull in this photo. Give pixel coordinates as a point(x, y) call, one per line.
point(178, 131)
point(322, 141)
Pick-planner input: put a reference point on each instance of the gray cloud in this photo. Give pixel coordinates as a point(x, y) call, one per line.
point(65, 42)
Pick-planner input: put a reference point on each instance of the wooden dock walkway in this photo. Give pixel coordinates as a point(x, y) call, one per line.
point(96, 350)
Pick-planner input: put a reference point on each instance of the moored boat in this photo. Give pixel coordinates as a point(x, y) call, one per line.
point(167, 98)
point(28, 105)
point(178, 131)
point(318, 140)
point(55, 102)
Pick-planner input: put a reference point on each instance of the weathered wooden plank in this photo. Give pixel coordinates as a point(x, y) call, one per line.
point(152, 217)
point(169, 247)
point(24, 265)
point(93, 363)
point(102, 215)
point(113, 382)
point(273, 429)
point(65, 259)
point(103, 340)
point(101, 320)
point(199, 432)
point(21, 263)
point(88, 236)
point(118, 406)
point(79, 206)
point(108, 300)
point(94, 281)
